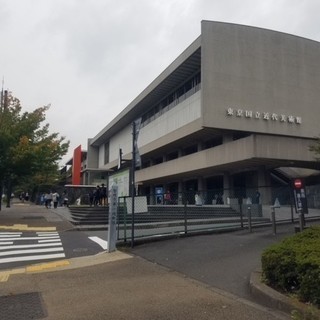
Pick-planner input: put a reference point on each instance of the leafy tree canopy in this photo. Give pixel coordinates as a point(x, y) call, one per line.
point(28, 151)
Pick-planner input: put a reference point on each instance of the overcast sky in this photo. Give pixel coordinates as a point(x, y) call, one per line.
point(90, 58)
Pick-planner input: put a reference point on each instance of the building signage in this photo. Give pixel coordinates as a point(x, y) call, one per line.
point(267, 116)
point(300, 198)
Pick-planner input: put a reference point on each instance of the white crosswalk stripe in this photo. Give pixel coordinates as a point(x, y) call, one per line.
point(19, 246)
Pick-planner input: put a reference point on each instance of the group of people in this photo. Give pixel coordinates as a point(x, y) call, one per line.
point(50, 199)
point(24, 196)
point(98, 196)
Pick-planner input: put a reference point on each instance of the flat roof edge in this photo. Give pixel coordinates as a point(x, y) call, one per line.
point(193, 47)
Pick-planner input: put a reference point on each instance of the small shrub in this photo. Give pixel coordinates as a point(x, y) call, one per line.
point(310, 286)
point(279, 268)
point(293, 265)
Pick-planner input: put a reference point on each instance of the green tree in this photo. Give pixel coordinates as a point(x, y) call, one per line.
point(28, 152)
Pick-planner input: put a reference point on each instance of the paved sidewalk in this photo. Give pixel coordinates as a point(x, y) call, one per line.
point(27, 216)
point(110, 286)
point(123, 288)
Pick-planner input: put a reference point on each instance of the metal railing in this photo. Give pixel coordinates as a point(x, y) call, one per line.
point(174, 214)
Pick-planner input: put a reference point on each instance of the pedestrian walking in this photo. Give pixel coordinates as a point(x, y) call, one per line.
point(97, 196)
point(48, 200)
point(55, 199)
point(103, 197)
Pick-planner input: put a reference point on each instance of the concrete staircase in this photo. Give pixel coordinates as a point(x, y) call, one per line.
point(85, 215)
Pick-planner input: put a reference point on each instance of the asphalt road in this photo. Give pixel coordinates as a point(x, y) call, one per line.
point(224, 261)
point(18, 249)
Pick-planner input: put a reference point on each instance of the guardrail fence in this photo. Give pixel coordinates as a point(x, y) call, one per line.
point(157, 215)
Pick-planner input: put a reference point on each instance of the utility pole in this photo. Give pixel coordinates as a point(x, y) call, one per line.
point(136, 162)
point(1, 109)
point(133, 182)
point(4, 97)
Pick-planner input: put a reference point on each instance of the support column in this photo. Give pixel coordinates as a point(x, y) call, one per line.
point(226, 187)
point(200, 146)
point(86, 178)
point(202, 189)
point(152, 195)
point(227, 138)
point(264, 186)
point(180, 192)
point(89, 178)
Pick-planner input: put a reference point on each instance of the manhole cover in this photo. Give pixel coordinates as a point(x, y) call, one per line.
point(22, 306)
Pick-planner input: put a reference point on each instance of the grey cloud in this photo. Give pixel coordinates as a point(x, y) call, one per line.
point(91, 58)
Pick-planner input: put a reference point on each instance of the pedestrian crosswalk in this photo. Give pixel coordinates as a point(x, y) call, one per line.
point(19, 246)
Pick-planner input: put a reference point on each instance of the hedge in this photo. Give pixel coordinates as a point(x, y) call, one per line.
point(293, 265)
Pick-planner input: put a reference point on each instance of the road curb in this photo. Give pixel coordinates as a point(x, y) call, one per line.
point(273, 299)
point(66, 264)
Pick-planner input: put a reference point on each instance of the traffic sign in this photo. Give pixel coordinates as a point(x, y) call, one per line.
point(297, 183)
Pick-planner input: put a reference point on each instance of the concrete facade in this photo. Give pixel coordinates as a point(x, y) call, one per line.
point(238, 101)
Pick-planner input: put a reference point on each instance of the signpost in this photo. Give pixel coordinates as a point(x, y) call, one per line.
point(300, 199)
point(113, 209)
point(249, 204)
point(136, 162)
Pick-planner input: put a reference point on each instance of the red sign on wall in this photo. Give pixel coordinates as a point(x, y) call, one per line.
point(76, 166)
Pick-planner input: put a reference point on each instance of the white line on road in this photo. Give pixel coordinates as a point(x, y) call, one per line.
point(15, 252)
point(29, 258)
point(10, 232)
point(21, 246)
point(99, 241)
point(30, 238)
point(50, 240)
point(7, 242)
point(44, 234)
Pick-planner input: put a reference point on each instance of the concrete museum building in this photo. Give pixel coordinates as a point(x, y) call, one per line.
point(237, 106)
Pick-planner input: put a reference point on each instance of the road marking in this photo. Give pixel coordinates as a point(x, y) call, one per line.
point(21, 246)
point(8, 235)
point(16, 252)
point(50, 240)
point(101, 242)
point(32, 258)
point(25, 227)
point(30, 238)
point(4, 275)
point(43, 246)
point(49, 265)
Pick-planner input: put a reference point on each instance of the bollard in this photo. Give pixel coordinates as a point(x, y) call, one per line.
point(301, 221)
point(273, 215)
point(249, 203)
point(185, 218)
point(249, 219)
point(273, 219)
point(241, 216)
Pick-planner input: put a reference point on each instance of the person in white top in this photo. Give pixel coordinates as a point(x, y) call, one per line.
point(55, 199)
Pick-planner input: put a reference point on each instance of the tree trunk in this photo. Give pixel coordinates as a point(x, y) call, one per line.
point(1, 189)
point(9, 191)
